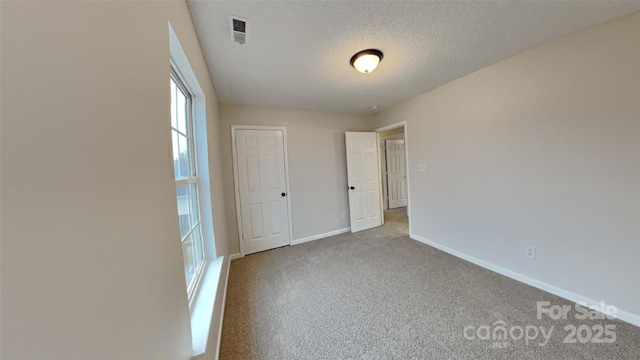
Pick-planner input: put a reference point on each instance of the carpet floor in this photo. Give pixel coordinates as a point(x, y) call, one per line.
point(377, 294)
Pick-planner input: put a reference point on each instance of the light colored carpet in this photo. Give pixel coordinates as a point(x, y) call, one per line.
point(377, 294)
point(397, 220)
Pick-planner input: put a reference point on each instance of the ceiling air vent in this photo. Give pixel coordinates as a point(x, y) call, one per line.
point(238, 28)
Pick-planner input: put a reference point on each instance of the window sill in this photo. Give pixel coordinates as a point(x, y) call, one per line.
point(202, 313)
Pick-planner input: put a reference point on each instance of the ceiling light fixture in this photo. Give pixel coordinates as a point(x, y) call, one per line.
point(366, 61)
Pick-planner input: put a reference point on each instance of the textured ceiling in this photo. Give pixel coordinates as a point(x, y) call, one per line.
point(297, 53)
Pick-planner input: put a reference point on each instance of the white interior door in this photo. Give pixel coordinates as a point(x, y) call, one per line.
point(363, 175)
point(262, 189)
point(396, 174)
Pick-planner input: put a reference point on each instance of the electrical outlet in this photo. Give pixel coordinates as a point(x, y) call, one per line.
point(530, 252)
point(422, 167)
point(344, 214)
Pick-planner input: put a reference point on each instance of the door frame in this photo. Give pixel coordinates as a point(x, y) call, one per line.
point(237, 186)
point(396, 125)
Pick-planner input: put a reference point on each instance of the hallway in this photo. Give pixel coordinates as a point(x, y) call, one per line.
point(397, 219)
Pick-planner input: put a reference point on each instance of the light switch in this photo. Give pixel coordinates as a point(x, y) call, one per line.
point(422, 167)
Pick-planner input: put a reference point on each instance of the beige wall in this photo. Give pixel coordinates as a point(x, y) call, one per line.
point(91, 262)
point(540, 149)
point(317, 165)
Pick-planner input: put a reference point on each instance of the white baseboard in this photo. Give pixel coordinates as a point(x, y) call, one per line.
point(235, 256)
point(224, 301)
point(320, 236)
point(622, 315)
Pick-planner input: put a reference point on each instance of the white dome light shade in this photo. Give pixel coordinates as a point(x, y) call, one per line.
point(366, 60)
point(366, 63)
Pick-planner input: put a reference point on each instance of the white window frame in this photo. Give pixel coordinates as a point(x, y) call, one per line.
point(191, 135)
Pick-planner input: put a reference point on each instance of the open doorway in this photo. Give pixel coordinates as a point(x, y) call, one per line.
point(395, 176)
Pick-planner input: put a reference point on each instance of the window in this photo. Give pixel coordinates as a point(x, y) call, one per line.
point(186, 176)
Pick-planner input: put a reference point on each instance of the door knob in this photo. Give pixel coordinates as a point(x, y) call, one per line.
point(283, 194)
point(352, 187)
